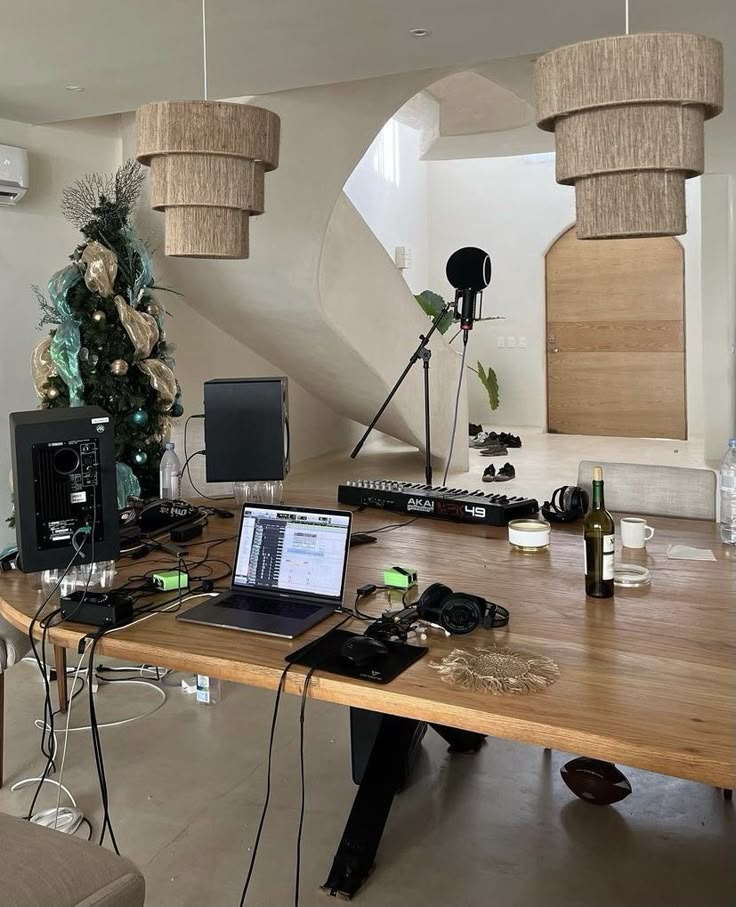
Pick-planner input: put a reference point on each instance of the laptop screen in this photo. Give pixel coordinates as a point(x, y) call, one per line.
point(292, 550)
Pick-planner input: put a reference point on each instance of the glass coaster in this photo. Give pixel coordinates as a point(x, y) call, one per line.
point(631, 575)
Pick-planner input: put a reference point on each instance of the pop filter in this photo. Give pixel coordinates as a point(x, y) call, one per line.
point(469, 269)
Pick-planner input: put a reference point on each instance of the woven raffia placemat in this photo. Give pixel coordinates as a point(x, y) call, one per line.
point(497, 670)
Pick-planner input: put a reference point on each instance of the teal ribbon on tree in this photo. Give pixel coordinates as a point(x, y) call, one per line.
point(67, 342)
point(127, 484)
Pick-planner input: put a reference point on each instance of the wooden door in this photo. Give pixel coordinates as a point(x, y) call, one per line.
point(616, 337)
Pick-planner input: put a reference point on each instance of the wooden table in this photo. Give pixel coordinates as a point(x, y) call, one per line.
point(646, 679)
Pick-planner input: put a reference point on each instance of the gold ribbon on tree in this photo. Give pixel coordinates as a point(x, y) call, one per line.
point(102, 268)
point(162, 379)
point(140, 327)
point(42, 366)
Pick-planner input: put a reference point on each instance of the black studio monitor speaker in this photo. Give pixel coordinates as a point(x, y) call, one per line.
point(246, 429)
point(65, 484)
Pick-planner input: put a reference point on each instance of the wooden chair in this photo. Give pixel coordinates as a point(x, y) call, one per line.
point(674, 491)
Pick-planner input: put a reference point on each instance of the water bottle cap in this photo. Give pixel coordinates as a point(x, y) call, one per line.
point(732, 442)
point(170, 445)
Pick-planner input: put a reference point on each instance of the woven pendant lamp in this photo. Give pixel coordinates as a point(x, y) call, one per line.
point(207, 160)
point(627, 113)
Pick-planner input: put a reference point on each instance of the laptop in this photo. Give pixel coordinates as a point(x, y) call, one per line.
point(289, 572)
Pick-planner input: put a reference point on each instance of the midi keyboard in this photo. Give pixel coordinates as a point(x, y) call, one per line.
point(442, 503)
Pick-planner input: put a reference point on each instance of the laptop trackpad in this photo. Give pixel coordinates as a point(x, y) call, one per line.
point(273, 607)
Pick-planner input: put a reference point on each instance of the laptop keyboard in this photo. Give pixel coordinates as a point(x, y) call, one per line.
point(257, 605)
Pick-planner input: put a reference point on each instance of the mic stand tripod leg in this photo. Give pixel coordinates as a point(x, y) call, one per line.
point(415, 356)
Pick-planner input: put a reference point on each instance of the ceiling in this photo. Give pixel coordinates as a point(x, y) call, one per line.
point(127, 53)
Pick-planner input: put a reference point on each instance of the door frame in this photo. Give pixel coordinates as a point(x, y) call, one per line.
point(547, 250)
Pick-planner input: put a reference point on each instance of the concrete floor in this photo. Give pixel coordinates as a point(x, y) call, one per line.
point(187, 786)
point(187, 783)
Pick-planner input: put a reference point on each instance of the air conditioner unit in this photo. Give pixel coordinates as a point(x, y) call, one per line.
point(13, 174)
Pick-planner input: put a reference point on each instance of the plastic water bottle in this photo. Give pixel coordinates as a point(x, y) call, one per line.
point(169, 473)
point(209, 689)
point(728, 495)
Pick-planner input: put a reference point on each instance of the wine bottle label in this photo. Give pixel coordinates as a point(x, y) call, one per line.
point(609, 545)
point(608, 549)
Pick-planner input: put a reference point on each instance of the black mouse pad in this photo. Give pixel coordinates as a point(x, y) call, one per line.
point(324, 654)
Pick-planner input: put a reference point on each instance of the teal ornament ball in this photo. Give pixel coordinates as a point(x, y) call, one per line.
point(139, 417)
point(140, 458)
point(177, 410)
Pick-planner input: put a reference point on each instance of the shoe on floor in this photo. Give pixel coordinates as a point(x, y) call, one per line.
point(506, 473)
point(493, 450)
point(510, 440)
point(489, 473)
point(474, 430)
point(484, 438)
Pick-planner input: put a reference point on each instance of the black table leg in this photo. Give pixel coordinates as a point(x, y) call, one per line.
point(381, 780)
point(364, 727)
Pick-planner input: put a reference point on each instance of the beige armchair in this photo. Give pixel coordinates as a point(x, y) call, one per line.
point(74, 873)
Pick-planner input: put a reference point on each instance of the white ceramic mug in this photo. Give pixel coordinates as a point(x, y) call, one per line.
point(634, 532)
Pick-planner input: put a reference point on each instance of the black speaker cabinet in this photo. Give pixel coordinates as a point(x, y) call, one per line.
point(246, 429)
point(64, 480)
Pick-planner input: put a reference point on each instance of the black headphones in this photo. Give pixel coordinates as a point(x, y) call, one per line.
point(458, 612)
point(569, 503)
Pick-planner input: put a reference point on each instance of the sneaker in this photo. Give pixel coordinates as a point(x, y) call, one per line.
point(510, 440)
point(506, 473)
point(493, 450)
point(484, 438)
point(474, 430)
point(489, 473)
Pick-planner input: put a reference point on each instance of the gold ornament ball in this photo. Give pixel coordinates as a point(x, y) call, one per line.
point(119, 367)
point(52, 393)
point(99, 316)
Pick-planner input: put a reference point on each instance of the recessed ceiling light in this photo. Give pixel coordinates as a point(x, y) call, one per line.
point(74, 88)
point(420, 32)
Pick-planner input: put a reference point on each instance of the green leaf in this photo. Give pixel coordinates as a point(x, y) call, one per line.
point(490, 382)
point(432, 304)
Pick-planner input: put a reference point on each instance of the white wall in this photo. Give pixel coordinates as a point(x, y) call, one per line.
point(389, 189)
point(719, 313)
point(35, 241)
point(513, 207)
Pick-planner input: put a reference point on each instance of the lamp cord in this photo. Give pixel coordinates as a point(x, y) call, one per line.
point(204, 46)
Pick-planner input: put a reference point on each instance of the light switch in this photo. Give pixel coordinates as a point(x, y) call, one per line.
point(402, 257)
point(500, 342)
point(511, 342)
point(522, 342)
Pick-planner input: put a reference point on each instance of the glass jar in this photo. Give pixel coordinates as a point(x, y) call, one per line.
point(264, 492)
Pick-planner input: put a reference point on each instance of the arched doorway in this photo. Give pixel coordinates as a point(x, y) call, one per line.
point(616, 337)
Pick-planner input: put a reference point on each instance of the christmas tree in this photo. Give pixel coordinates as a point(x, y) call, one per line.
point(107, 346)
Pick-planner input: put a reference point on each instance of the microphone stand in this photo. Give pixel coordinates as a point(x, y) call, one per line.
point(425, 354)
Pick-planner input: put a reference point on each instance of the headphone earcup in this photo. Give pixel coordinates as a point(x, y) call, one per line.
point(461, 613)
point(567, 496)
point(432, 596)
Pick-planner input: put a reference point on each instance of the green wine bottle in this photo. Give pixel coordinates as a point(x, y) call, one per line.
point(598, 535)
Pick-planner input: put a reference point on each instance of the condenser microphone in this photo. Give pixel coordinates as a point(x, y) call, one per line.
point(469, 271)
